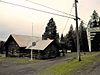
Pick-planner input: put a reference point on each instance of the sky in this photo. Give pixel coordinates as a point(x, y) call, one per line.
point(18, 20)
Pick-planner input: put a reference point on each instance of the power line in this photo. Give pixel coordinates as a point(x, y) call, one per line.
point(68, 19)
point(84, 22)
point(58, 11)
point(49, 8)
point(36, 9)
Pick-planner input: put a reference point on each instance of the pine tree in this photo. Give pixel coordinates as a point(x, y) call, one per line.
point(95, 15)
point(1, 46)
point(51, 33)
point(70, 42)
point(83, 37)
point(94, 21)
point(50, 30)
point(62, 37)
point(62, 42)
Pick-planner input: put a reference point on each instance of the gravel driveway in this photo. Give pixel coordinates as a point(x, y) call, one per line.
point(7, 68)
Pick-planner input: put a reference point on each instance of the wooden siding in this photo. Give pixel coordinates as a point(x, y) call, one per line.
point(50, 52)
point(12, 49)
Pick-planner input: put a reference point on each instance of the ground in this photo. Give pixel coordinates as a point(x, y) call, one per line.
point(29, 68)
point(9, 67)
point(94, 69)
point(91, 69)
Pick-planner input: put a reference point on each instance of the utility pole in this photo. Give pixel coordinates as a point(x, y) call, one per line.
point(77, 33)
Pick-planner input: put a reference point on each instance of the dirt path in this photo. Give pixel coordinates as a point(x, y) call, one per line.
point(31, 68)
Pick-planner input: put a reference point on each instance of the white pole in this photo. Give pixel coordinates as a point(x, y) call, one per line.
point(89, 39)
point(32, 29)
point(31, 54)
point(32, 41)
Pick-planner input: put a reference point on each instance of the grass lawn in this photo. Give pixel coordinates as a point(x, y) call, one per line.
point(69, 67)
point(17, 60)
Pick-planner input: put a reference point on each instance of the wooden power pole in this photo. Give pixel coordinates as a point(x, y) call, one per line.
point(77, 33)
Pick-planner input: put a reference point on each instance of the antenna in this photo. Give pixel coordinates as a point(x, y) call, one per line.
point(32, 43)
point(32, 29)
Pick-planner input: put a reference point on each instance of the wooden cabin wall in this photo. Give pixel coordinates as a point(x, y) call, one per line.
point(24, 52)
point(12, 48)
point(49, 52)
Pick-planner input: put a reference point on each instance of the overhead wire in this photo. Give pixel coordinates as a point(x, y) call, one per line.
point(35, 9)
point(68, 19)
point(47, 11)
point(58, 11)
point(84, 22)
point(49, 7)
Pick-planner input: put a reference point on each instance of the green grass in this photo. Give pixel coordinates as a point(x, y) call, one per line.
point(2, 55)
point(17, 60)
point(69, 67)
point(21, 60)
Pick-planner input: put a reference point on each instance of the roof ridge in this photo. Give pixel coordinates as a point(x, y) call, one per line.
point(24, 35)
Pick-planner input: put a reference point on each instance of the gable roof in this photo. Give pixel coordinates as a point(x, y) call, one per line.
point(23, 40)
point(40, 45)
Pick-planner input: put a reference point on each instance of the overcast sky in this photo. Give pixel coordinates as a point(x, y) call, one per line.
point(18, 20)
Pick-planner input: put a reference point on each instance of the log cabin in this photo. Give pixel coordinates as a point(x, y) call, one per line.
point(21, 45)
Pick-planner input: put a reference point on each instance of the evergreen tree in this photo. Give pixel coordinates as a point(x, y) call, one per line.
point(51, 33)
point(62, 37)
point(69, 38)
point(50, 30)
point(83, 37)
point(1, 46)
point(95, 16)
point(62, 42)
point(94, 21)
